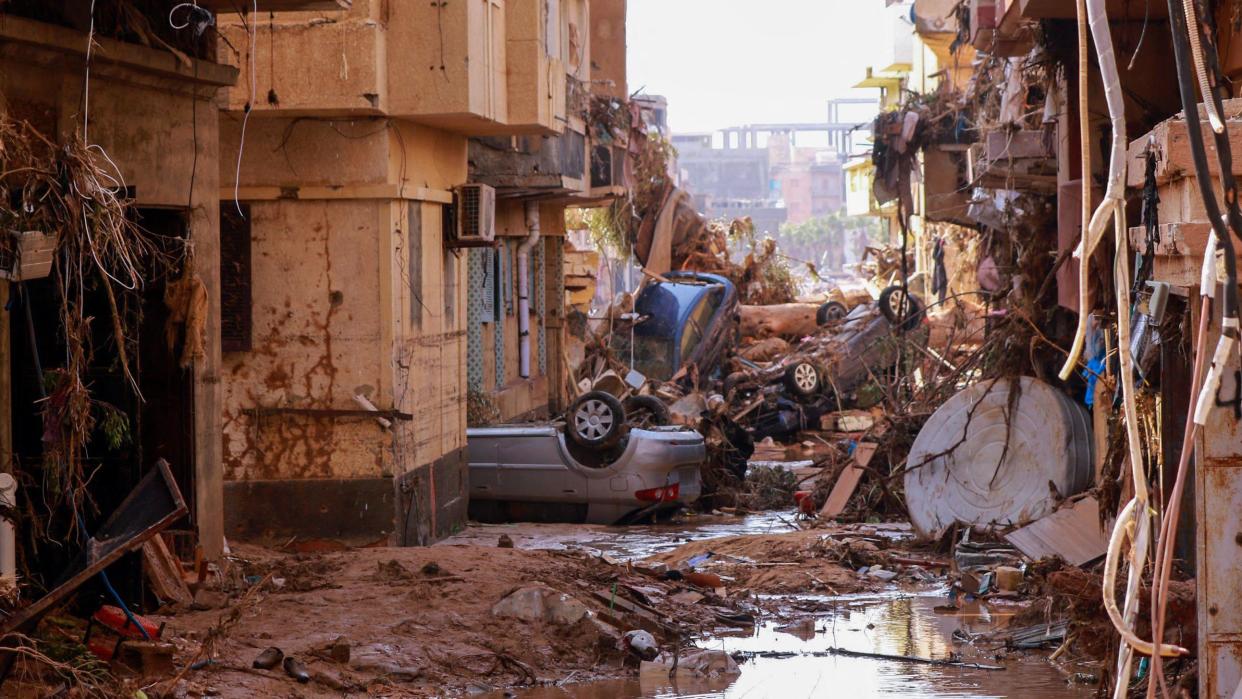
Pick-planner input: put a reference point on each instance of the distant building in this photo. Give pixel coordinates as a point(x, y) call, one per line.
point(760, 171)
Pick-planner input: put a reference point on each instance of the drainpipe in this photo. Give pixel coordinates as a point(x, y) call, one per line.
point(8, 539)
point(523, 262)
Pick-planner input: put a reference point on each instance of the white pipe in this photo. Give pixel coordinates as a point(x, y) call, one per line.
point(366, 404)
point(1113, 207)
point(523, 262)
point(8, 536)
point(1122, 531)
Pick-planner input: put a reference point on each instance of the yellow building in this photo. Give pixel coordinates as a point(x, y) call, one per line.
point(358, 237)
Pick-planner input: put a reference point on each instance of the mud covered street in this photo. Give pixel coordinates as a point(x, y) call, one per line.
point(790, 610)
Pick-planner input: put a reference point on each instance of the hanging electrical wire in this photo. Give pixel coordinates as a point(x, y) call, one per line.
point(1135, 520)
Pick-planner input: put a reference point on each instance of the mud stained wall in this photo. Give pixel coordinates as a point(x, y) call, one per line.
point(429, 355)
point(157, 121)
point(354, 293)
point(316, 343)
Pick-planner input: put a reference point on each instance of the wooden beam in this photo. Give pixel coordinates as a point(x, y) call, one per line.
point(847, 482)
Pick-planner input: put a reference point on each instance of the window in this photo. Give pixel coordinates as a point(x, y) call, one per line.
point(235, 281)
point(414, 269)
point(698, 323)
point(552, 27)
point(450, 289)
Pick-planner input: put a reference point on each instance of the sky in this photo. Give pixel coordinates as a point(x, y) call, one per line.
point(728, 62)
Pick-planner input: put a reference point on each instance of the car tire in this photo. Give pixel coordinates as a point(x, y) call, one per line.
point(803, 379)
point(635, 406)
point(901, 308)
point(831, 312)
point(595, 420)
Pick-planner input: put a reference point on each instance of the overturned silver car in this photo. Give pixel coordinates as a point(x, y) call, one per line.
point(534, 474)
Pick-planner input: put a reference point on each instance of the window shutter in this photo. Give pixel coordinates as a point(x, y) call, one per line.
point(236, 321)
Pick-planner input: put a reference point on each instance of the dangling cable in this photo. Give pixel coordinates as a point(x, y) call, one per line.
point(1168, 527)
point(1196, 53)
point(1084, 146)
point(1135, 519)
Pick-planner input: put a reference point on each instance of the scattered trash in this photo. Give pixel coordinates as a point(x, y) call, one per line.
point(640, 644)
point(1072, 532)
point(268, 659)
point(295, 669)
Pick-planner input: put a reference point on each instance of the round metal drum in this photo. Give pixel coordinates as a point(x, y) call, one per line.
point(976, 463)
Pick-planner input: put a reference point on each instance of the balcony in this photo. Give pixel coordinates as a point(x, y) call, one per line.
point(524, 166)
point(447, 64)
point(439, 64)
point(859, 199)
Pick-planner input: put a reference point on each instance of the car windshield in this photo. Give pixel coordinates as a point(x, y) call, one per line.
point(653, 357)
point(698, 323)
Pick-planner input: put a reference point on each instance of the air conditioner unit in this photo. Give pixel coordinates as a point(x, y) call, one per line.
point(27, 255)
point(476, 213)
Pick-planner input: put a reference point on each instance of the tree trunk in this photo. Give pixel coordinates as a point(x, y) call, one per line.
point(790, 320)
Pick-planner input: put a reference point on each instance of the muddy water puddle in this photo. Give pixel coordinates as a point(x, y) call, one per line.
point(634, 542)
point(791, 652)
point(796, 659)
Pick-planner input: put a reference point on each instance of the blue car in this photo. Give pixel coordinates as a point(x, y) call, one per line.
point(687, 321)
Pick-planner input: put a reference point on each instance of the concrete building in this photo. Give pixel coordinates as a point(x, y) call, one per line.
point(352, 130)
point(515, 322)
point(761, 171)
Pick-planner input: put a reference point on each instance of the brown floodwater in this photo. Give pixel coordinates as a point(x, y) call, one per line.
point(892, 623)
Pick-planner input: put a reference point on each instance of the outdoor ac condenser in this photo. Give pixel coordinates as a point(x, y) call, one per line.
point(476, 213)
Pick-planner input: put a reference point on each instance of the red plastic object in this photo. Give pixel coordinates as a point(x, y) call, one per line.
point(114, 619)
point(806, 504)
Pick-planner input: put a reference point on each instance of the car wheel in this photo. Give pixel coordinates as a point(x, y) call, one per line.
point(595, 420)
point(900, 308)
point(831, 312)
point(646, 410)
point(802, 378)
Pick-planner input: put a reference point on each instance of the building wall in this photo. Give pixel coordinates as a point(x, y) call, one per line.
point(354, 293)
point(607, 52)
point(156, 120)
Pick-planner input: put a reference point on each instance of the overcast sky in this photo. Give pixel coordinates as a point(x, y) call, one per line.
point(727, 62)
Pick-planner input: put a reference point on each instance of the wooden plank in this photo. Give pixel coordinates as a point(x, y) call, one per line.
point(847, 482)
point(164, 572)
point(1072, 532)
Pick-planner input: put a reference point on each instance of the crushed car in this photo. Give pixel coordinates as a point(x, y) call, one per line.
point(822, 373)
point(686, 321)
point(592, 469)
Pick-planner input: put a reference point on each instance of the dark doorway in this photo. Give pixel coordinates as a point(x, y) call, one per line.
point(131, 432)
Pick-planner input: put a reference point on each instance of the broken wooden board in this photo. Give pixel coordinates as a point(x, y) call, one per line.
point(847, 421)
point(164, 571)
point(624, 612)
point(1072, 532)
point(847, 482)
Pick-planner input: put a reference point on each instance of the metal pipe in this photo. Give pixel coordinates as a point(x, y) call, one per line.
point(523, 264)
